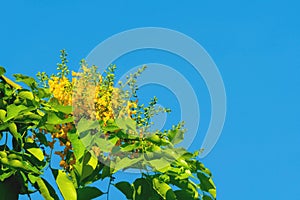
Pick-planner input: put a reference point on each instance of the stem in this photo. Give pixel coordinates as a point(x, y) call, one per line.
point(6, 136)
point(108, 188)
point(29, 196)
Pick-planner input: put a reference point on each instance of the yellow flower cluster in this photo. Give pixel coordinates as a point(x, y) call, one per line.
point(90, 97)
point(61, 88)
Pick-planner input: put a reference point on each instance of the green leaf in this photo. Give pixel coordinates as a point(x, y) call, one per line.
point(130, 147)
point(126, 188)
point(54, 119)
point(88, 193)
point(85, 167)
point(42, 138)
point(126, 124)
point(14, 130)
point(36, 152)
point(202, 168)
point(182, 194)
point(65, 184)
point(163, 189)
point(142, 189)
point(5, 174)
point(85, 124)
point(159, 164)
point(207, 184)
point(77, 145)
point(26, 95)
point(106, 172)
point(46, 189)
point(26, 79)
point(175, 135)
point(11, 83)
point(2, 70)
point(104, 144)
point(43, 93)
point(126, 162)
point(2, 114)
point(63, 109)
point(186, 185)
point(89, 165)
point(14, 110)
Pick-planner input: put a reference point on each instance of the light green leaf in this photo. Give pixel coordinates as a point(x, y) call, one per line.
point(77, 145)
point(45, 189)
point(126, 124)
point(85, 124)
point(176, 135)
point(14, 131)
point(163, 189)
point(36, 152)
point(2, 114)
point(14, 110)
point(5, 174)
point(63, 109)
point(26, 95)
point(159, 164)
point(54, 119)
point(65, 185)
point(103, 144)
point(26, 79)
point(126, 162)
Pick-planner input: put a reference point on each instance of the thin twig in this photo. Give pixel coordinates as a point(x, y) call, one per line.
point(108, 188)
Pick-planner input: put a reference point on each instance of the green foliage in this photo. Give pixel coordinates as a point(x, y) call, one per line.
point(97, 151)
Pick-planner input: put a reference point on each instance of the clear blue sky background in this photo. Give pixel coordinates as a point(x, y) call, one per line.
point(255, 44)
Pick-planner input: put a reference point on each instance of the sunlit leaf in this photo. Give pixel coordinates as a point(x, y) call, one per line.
point(65, 185)
point(36, 152)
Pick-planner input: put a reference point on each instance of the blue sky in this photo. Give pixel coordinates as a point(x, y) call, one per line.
point(255, 44)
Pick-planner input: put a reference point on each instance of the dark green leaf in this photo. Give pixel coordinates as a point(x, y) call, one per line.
point(207, 184)
point(2, 70)
point(182, 194)
point(142, 189)
point(126, 188)
point(88, 193)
